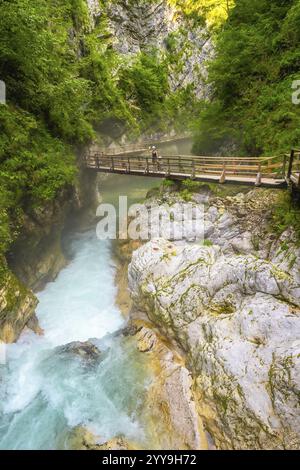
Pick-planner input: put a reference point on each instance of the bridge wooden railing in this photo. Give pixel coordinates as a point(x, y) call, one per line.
point(220, 169)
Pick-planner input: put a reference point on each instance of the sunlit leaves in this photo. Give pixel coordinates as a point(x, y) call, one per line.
point(214, 11)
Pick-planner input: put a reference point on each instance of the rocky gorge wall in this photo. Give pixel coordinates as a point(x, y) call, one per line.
point(232, 304)
point(37, 255)
point(139, 26)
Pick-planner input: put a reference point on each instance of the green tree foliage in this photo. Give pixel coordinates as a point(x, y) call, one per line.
point(257, 60)
point(65, 83)
point(46, 109)
point(145, 86)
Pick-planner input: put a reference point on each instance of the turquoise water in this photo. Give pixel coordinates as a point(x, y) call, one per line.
point(46, 392)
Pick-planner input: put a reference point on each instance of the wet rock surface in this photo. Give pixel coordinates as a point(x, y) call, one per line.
point(169, 413)
point(17, 309)
point(82, 439)
point(86, 351)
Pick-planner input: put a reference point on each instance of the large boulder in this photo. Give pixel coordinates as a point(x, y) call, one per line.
point(87, 351)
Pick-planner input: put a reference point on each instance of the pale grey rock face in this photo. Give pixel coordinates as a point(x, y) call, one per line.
point(176, 222)
point(95, 12)
point(140, 25)
point(94, 7)
point(236, 314)
point(172, 390)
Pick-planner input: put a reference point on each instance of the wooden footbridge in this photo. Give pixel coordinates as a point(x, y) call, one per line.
point(272, 172)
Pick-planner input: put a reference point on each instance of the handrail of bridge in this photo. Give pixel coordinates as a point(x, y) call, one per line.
point(191, 166)
point(187, 158)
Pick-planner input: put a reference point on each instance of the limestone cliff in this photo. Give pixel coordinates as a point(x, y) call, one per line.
point(140, 25)
point(232, 303)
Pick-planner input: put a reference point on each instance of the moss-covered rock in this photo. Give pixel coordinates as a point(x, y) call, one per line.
point(17, 308)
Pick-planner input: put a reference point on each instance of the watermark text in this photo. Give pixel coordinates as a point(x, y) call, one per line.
point(147, 222)
point(2, 92)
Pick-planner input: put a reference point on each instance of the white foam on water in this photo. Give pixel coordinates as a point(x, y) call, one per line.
point(80, 304)
point(44, 393)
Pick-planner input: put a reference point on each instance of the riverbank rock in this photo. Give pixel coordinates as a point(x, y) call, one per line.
point(169, 414)
point(87, 351)
point(17, 308)
point(233, 306)
point(82, 439)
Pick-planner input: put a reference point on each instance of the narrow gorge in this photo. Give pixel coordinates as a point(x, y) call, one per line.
point(187, 338)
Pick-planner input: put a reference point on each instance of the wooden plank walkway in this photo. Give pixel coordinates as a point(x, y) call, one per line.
point(271, 172)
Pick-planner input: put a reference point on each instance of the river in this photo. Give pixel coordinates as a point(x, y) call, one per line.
point(46, 389)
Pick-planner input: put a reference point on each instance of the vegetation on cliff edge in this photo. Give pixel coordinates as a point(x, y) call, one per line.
point(257, 60)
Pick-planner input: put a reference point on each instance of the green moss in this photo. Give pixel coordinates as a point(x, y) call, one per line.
point(279, 274)
point(168, 183)
point(190, 185)
point(207, 243)
point(186, 195)
point(292, 261)
point(255, 242)
point(222, 402)
point(3, 272)
point(18, 304)
point(225, 308)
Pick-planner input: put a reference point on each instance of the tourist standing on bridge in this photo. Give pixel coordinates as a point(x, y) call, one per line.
point(154, 155)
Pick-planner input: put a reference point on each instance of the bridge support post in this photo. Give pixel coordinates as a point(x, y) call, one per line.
point(258, 180)
point(168, 172)
point(223, 175)
point(258, 177)
point(193, 175)
point(180, 164)
point(290, 168)
point(284, 166)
